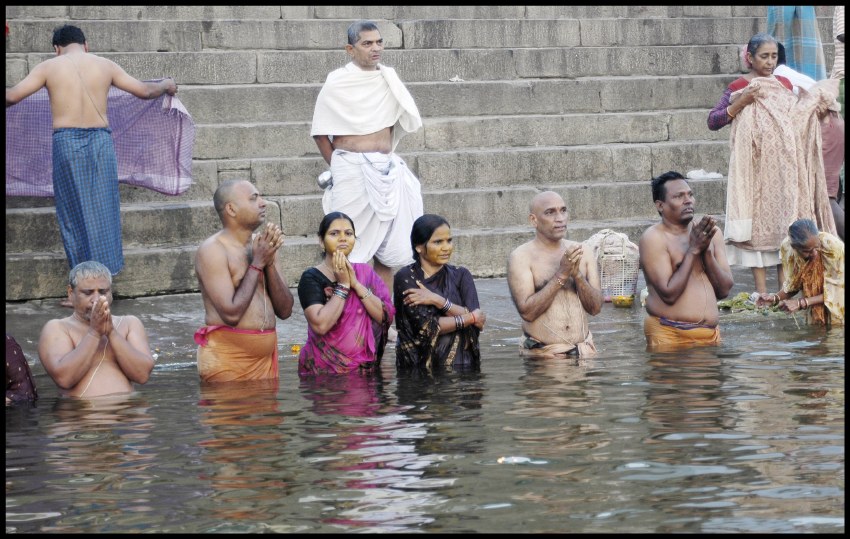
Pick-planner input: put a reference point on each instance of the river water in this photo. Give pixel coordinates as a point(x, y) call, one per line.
point(745, 437)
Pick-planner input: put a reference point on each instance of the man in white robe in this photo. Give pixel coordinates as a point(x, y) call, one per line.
point(362, 112)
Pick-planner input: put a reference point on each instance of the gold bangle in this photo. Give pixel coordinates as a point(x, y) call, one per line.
point(729, 113)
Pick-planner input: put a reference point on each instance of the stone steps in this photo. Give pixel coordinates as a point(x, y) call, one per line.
point(285, 102)
point(156, 225)
point(420, 65)
point(493, 167)
point(590, 101)
point(258, 140)
point(315, 34)
point(166, 270)
point(212, 13)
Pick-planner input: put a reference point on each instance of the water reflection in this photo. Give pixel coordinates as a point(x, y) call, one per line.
point(101, 435)
point(371, 476)
point(686, 396)
point(94, 450)
point(747, 438)
point(554, 389)
point(244, 449)
point(722, 427)
point(448, 412)
point(450, 404)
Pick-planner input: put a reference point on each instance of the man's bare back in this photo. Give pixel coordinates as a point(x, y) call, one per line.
point(78, 84)
point(73, 102)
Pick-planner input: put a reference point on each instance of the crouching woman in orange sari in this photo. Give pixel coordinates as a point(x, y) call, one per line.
point(814, 265)
point(347, 306)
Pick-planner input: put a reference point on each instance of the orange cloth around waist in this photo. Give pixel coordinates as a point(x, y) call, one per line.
point(661, 336)
point(231, 354)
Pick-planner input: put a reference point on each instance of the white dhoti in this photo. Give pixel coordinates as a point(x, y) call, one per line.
point(378, 191)
point(383, 198)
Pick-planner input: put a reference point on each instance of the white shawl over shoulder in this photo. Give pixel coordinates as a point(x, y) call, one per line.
point(357, 102)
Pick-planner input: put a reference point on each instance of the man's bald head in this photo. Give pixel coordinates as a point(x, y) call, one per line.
point(544, 200)
point(549, 215)
point(223, 195)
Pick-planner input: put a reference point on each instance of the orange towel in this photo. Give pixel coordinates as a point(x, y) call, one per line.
point(662, 337)
point(228, 354)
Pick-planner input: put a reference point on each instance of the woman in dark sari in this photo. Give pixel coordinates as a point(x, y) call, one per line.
point(347, 306)
point(437, 312)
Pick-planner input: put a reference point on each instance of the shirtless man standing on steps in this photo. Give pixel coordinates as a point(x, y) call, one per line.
point(85, 170)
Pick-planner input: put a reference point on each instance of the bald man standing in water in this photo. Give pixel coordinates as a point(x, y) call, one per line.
point(685, 268)
point(554, 285)
point(243, 289)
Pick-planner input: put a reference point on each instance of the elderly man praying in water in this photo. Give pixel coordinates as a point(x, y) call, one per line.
point(92, 352)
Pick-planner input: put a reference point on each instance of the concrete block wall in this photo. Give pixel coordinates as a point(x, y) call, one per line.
point(590, 101)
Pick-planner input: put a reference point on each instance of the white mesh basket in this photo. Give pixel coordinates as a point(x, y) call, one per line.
point(618, 262)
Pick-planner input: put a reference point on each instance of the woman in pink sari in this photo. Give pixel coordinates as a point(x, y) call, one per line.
point(347, 306)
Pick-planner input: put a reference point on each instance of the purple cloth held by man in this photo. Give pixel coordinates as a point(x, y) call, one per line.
point(153, 143)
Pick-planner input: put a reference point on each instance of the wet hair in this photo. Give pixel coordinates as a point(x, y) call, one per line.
point(330, 218)
point(659, 190)
point(222, 196)
point(422, 230)
point(780, 55)
point(801, 231)
point(758, 40)
point(88, 270)
point(357, 27)
point(67, 34)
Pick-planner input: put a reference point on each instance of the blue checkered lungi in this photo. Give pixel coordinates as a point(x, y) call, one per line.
point(796, 27)
point(85, 184)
